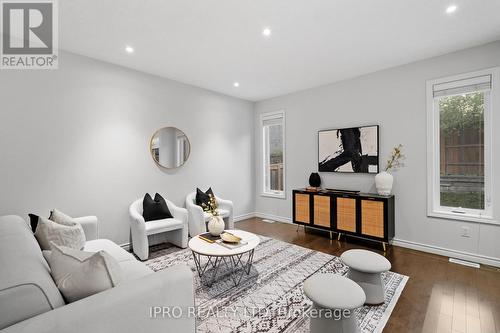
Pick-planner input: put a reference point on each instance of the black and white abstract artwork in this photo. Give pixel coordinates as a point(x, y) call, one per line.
point(349, 150)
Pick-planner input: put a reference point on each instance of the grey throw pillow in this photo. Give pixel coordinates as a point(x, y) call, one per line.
point(79, 274)
point(61, 218)
point(64, 231)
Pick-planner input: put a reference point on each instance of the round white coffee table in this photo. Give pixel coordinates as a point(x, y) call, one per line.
point(218, 254)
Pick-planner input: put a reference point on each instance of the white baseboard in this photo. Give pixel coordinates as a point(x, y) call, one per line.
point(243, 217)
point(464, 263)
point(485, 260)
point(125, 246)
point(262, 216)
point(274, 217)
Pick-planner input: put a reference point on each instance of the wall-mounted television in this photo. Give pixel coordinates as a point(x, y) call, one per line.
point(353, 150)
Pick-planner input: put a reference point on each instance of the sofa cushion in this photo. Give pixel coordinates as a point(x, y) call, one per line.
point(134, 269)
point(26, 287)
point(112, 248)
point(79, 274)
point(131, 267)
point(154, 227)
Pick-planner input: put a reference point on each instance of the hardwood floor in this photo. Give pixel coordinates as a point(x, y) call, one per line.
point(439, 297)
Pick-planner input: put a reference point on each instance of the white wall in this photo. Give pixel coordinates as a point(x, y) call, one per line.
point(77, 139)
point(395, 99)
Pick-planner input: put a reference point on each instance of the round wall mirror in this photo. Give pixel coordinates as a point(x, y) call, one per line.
point(170, 147)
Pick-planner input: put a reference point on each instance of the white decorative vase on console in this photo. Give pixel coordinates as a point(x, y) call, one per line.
point(383, 183)
point(384, 180)
point(216, 225)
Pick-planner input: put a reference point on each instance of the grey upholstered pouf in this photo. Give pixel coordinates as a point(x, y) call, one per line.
point(334, 300)
point(365, 268)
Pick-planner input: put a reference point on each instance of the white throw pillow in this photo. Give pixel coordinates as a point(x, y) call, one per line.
point(61, 218)
point(66, 232)
point(79, 274)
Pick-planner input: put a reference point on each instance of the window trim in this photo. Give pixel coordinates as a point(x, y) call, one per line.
point(434, 209)
point(263, 117)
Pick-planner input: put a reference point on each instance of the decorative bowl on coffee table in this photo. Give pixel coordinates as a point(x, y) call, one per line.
point(229, 237)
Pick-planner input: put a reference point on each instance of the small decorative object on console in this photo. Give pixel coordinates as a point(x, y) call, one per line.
point(384, 180)
point(337, 190)
point(216, 223)
point(314, 180)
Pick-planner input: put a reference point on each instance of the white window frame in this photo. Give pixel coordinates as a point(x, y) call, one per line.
point(434, 209)
point(264, 117)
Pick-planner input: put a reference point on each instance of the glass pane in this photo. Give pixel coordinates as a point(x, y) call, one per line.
point(266, 159)
point(275, 157)
point(462, 150)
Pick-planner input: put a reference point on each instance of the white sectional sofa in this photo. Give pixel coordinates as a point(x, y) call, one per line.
point(31, 302)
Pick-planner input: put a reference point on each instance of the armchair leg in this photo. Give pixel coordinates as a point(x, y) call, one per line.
point(178, 237)
point(141, 249)
point(229, 223)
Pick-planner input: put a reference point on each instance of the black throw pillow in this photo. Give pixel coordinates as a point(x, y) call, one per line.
point(156, 209)
point(203, 197)
point(33, 221)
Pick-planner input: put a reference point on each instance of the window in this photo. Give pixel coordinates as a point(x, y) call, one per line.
point(459, 145)
point(273, 159)
point(182, 149)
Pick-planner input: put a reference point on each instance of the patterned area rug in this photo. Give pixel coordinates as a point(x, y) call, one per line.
point(270, 298)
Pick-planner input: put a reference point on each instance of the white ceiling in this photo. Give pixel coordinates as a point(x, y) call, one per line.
point(213, 43)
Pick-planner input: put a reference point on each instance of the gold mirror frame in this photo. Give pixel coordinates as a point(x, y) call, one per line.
point(151, 143)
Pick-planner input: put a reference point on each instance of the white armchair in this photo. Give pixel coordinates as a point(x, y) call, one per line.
point(198, 219)
point(176, 228)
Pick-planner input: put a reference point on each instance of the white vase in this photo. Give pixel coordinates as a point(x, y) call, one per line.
point(383, 183)
point(216, 225)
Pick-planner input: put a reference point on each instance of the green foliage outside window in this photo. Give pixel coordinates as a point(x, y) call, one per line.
point(461, 112)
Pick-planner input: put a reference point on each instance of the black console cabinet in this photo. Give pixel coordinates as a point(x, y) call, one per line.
point(364, 215)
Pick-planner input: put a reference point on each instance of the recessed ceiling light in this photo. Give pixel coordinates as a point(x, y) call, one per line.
point(129, 49)
point(236, 84)
point(266, 32)
point(451, 9)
